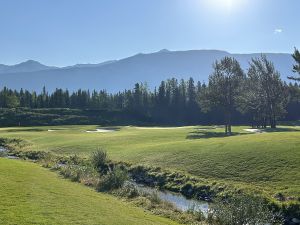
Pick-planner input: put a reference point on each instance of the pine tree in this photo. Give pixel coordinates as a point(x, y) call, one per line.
point(296, 67)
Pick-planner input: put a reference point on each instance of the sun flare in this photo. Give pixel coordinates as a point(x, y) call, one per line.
point(223, 5)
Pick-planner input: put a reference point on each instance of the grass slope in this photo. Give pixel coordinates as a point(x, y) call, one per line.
point(32, 195)
point(268, 161)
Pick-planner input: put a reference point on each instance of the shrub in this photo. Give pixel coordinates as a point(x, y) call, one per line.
point(242, 210)
point(13, 143)
point(82, 174)
point(75, 159)
point(49, 161)
point(66, 171)
point(98, 161)
point(32, 155)
point(128, 190)
point(198, 214)
point(3, 153)
point(154, 198)
point(88, 176)
point(113, 180)
point(187, 190)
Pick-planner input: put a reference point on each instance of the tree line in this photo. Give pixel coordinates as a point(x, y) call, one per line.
point(231, 96)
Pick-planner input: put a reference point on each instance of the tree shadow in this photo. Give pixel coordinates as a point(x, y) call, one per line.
point(205, 134)
point(281, 129)
point(25, 130)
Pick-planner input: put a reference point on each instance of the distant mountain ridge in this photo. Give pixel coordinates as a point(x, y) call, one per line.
point(122, 74)
point(27, 66)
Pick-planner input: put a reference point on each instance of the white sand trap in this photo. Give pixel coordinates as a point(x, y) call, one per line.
point(258, 131)
point(52, 130)
point(101, 131)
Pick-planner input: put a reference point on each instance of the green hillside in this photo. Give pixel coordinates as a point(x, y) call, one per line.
point(32, 195)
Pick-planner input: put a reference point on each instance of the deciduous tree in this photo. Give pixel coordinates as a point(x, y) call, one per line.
point(224, 88)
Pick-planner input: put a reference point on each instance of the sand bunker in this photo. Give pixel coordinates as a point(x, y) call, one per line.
point(52, 130)
point(258, 131)
point(101, 131)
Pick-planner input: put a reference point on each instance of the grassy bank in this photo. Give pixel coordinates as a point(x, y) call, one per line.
point(33, 195)
point(266, 162)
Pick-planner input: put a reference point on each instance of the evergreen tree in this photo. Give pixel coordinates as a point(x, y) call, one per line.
point(191, 92)
point(182, 94)
point(296, 67)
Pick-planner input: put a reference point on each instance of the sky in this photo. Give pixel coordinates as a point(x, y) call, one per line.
point(66, 32)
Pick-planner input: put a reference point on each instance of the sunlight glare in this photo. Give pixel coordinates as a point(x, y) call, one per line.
point(225, 6)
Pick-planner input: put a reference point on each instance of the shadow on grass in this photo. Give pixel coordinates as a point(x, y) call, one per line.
point(289, 123)
point(25, 130)
point(281, 129)
point(205, 134)
point(209, 134)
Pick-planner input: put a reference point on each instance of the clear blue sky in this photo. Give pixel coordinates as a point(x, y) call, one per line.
point(65, 32)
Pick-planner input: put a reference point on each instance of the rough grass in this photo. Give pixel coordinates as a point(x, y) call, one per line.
point(268, 162)
point(33, 195)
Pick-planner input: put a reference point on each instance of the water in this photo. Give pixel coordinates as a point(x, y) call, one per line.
point(3, 153)
point(178, 200)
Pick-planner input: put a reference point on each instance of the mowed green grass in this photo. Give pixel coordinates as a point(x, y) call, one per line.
point(268, 162)
point(30, 194)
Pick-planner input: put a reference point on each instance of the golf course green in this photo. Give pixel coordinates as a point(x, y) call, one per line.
point(266, 161)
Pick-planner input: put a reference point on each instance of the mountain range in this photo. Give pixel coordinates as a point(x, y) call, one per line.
point(122, 74)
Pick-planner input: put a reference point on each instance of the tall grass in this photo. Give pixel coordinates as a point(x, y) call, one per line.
point(113, 180)
point(99, 160)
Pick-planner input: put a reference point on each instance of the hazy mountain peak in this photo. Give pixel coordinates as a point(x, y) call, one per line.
point(23, 67)
point(124, 73)
point(164, 50)
point(30, 61)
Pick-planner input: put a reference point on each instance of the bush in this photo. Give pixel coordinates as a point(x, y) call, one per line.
point(128, 190)
point(98, 161)
point(154, 198)
point(198, 214)
point(13, 143)
point(3, 153)
point(187, 190)
point(242, 210)
point(113, 180)
point(82, 174)
point(33, 155)
point(49, 161)
point(74, 159)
